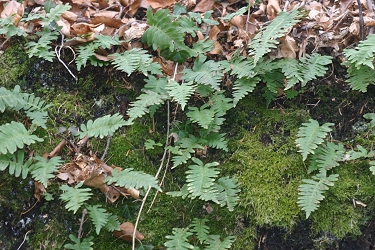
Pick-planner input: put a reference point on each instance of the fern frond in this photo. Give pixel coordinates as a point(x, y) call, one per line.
point(216, 140)
point(205, 72)
point(220, 103)
point(14, 135)
point(113, 223)
point(310, 136)
point(202, 116)
point(327, 156)
point(372, 167)
point(199, 227)
point(99, 217)
point(35, 109)
point(242, 87)
point(55, 13)
point(360, 78)
point(181, 92)
point(43, 170)
point(143, 102)
point(85, 53)
point(216, 244)
point(42, 48)
point(163, 32)
point(242, 67)
point(311, 192)
point(363, 54)
point(16, 163)
point(228, 192)
point(74, 196)
point(179, 239)
point(102, 126)
point(157, 85)
point(266, 39)
point(304, 70)
point(200, 178)
point(10, 99)
point(84, 245)
point(135, 59)
point(132, 179)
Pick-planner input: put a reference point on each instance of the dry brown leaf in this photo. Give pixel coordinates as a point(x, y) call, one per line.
point(214, 32)
point(126, 232)
point(132, 8)
point(204, 6)
point(10, 9)
point(39, 189)
point(157, 4)
point(288, 48)
point(218, 49)
point(135, 31)
point(112, 22)
point(70, 16)
point(273, 8)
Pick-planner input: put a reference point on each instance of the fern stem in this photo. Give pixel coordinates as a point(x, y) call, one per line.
point(159, 170)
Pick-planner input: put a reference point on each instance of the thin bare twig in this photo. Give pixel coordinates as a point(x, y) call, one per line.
point(159, 170)
point(24, 238)
point(361, 22)
point(106, 147)
point(58, 54)
point(84, 212)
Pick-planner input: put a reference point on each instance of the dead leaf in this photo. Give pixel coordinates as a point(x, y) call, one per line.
point(273, 8)
point(157, 4)
point(109, 21)
point(126, 232)
point(288, 48)
point(10, 9)
point(204, 6)
point(39, 189)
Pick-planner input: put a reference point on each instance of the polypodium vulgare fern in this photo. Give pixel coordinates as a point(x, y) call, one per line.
point(102, 126)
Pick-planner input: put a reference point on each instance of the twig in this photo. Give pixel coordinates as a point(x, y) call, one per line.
point(361, 22)
point(159, 170)
point(6, 40)
point(58, 54)
point(84, 212)
point(106, 147)
point(24, 238)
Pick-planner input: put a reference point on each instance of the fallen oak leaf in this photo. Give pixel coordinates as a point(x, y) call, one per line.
point(126, 232)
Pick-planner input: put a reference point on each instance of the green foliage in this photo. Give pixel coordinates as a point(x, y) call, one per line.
point(132, 179)
point(8, 29)
point(179, 239)
point(74, 196)
point(311, 192)
point(199, 227)
point(85, 244)
point(42, 47)
point(102, 126)
point(310, 136)
point(363, 55)
point(14, 135)
point(43, 169)
point(327, 156)
point(204, 115)
point(181, 92)
point(360, 78)
point(16, 163)
point(266, 38)
point(227, 192)
point(99, 217)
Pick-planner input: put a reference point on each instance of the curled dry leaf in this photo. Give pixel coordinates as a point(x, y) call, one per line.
point(204, 6)
point(157, 4)
point(126, 232)
point(39, 189)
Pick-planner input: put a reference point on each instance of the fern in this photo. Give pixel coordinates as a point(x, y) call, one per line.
point(85, 53)
point(42, 48)
point(84, 245)
point(206, 72)
point(307, 69)
point(14, 135)
point(200, 178)
point(74, 196)
point(43, 169)
point(55, 13)
point(310, 136)
point(266, 39)
point(132, 179)
point(327, 156)
point(112, 223)
point(242, 87)
point(198, 226)
point(35, 109)
point(360, 78)
point(184, 148)
point(180, 92)
point(102, 126)
point(227, 192)
point(242, 67)
point(179, 239)
point(16, 163)
point(135, 59)
point(8, 99)
point(311, 192)
point(203, 116)
point(99, 217)
point(8, 29)
point(216, 244)
point(216, 140)
point(363, 54)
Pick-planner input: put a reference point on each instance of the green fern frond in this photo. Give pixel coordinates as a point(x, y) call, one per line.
point(8, 29)
point(304, 70)
point(311, 192)
point(203, 116)
point(113, 223)
point(216, 244)
point(184, 149)
point(102, 126)
point(220, 103)
point(16, 163)
point(74, 196)
point(216, 140)
point(200, 178)
point(363, 54)
point(327, 156)
point(310, 136)
point(242, 67)
point(181, 92)
point(10, 99)
point(242, 87)
point(55, 13)
point(163, 32)
point(143, 102)
point(372, 167)
point(179, 239)
point(106, 42)
point(42, 48)
point(132, 179)
point(135, 59)
point(14, 135)
point(228, 192)
point(43, 170)
point(157, 85)
point(84, 245)
point(199, 227)
point(205, 72)
point(99, 217)
point(360, 78)
point(85, 53)
point(266, 39)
